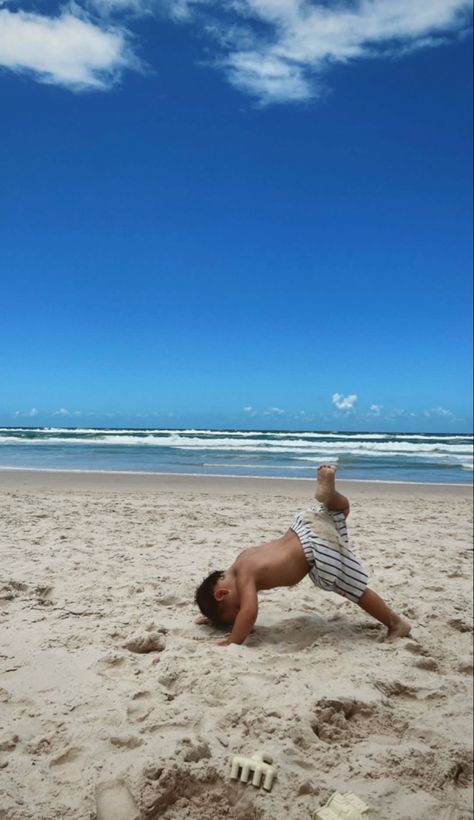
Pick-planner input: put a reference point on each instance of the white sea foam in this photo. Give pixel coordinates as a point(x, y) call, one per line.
point(264, 451)
point(259, 445)
point(261, 466)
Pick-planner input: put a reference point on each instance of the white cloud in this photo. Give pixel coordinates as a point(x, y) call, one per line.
point(267, 77)
point(398, 413)
point(439, 411)
point(248, 409)
point(274, 411)
point(96, 415)
point(344, 402)
point(68, 50)
point(28, 413)
point(375, 409)
point(62, 412)
point(277, 50)
point(108, 8)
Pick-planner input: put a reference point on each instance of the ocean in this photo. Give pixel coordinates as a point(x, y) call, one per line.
point(419, 457)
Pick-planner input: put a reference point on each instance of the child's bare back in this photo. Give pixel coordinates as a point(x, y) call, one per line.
point(278, 563)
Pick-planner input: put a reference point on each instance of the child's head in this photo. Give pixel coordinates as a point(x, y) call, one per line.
point(217, 598)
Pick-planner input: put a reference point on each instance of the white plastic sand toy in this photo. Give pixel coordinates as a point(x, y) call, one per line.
point(259, 765)
point(343, 807)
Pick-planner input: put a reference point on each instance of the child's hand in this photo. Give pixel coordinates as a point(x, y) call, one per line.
point(202, 620)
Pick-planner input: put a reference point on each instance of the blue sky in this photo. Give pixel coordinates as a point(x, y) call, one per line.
point(254, 213)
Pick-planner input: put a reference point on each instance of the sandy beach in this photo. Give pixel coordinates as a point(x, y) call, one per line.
point(115, 705)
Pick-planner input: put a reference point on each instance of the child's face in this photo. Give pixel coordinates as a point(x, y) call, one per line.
point(228, 612)
point(229, 602)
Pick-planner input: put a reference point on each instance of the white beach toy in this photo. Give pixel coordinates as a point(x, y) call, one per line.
point(343, 807)
point(259, 765)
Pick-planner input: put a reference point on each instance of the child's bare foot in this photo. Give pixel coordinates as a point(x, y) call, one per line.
point(325, 483)
point(399, 628)
point(326, 491)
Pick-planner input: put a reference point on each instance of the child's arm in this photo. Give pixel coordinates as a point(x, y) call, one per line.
point(247, 614)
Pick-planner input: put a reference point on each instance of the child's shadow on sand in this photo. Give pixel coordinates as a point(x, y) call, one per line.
point(296, 634)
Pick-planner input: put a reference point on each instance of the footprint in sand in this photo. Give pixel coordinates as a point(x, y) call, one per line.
point(43, 594)
point(424, 661)
point(170, 600)
point(110, 665)
point(396, 689)
point(11, 590)
point(459, 625)
point(415, 648)
point(148, 642)
point(66, 756)
point(114, 801)
point(42, 744)
point(140, 707)
point(8, 742)
point(126, 741)
point(67, 764)
point(427, 663)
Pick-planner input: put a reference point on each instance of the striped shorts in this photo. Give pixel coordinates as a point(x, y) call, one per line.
point(334, 568)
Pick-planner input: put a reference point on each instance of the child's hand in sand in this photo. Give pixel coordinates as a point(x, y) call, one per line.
point(202, 620)
point(224, 643)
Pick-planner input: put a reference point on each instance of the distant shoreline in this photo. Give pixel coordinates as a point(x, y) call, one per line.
point(249, 430)
point(125, 481)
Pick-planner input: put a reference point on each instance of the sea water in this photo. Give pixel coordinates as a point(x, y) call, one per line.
point(421, 457)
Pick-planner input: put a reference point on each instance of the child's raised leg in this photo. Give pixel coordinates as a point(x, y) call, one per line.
point(326, 491)
point(373, 604)
point(370, 602)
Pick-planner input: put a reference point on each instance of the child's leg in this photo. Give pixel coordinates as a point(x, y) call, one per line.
point(326, 491)
point(373, 604)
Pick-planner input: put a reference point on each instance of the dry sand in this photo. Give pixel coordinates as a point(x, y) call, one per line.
point(96, 567)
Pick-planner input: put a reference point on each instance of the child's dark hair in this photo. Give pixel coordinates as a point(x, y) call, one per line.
point(204, 597)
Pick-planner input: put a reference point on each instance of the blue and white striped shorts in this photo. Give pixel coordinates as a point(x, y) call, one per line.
point(334, 568)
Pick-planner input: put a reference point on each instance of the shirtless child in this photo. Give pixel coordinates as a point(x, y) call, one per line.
point(316, 545)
